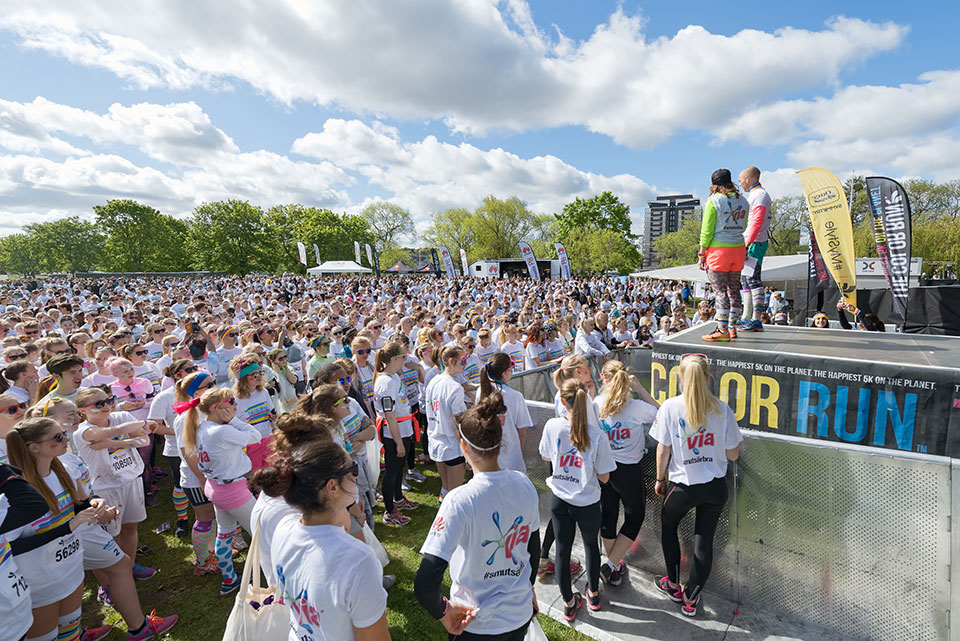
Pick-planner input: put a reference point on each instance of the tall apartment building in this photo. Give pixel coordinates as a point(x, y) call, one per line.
point(664, 215)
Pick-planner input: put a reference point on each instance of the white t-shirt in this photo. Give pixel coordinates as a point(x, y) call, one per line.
point(411, 379)
point(14, 590)
point(187, 478)
point(150, 372)
point(554, 349)
point(221, 449)
point(97, 378)
point(517, 355)
point(574, 478)
point(269, 511)
point(627, 430)
point(534, 350)
point(390, 388)
point(326, 602)
point(364, 379)
point(484, 353)
point(444, 399)
point(256, 410)
point(482, 530)
point(109, 467)
point(162, 409)
point(697, 456)
point(518, 417)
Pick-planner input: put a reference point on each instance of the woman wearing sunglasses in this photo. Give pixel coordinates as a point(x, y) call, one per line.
point(227, 351)
point(11, 413)
point(361, 347)
point(135, 394)
point(52, 562)
point(106, 441)
point(318, 480)
point(142, 368)
point(161, 411)
point(286, 397)
point(218, 443)
point(101, 374)
point(254, 405)
point(321, 347)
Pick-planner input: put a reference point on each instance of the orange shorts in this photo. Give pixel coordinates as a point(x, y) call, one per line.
point(726, 259)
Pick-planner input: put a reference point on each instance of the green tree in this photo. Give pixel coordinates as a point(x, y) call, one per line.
point(788, 218)
point(392, 254)
point(603, 211)
point(171, 249)
point(232, 236)
point(500, 225)
point(65, 245)
point(17, 254)
point(132, 230)
point(388, 222)
point(679, 247)
point(454, 228)
point(595, 251)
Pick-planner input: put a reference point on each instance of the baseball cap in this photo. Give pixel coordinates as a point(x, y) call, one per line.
point(780, 319)
point(721, 177)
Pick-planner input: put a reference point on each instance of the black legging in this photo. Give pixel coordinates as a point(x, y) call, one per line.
point(708, 499)
point(393, 471)
point(517, 635)
point(548, 537)
point(566, 518)
point(626, 485)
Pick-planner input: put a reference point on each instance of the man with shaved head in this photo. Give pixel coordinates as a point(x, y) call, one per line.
point(755, 238)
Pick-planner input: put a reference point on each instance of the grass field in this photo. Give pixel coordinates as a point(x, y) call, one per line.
point(203, 614)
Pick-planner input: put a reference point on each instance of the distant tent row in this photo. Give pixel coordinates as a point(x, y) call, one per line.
point(351, 267)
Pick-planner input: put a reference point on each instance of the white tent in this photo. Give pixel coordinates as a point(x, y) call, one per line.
point(338, 267)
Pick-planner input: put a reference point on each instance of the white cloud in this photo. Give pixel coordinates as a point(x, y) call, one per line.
point(477, 64)
point(430, 175)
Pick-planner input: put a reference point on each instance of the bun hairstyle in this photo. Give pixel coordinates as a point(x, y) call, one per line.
point(320, 401)
point(568, 368)
point(296, 428)
point(300, 474)
point(617, 392)
point(698, 400)
point(498, 364)
point(575, 398)
point(33, 430)
point(384, 354)
point(480, 427)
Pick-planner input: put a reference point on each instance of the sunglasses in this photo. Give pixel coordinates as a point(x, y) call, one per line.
point(16, 357)
point(376, 327)
point(364, 351)
point(339, 400)
point(189, 369)
point(469, 346)
point(13, 408)
point(33, 333)
point(230, 400)
point(140, 352)
point(101, 404)
point(344, 381)
point(353, 470)
point(59, 437)
point(59, 352)
point(159, 331)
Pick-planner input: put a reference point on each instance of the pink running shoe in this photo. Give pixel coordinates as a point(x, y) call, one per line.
point(153, 626)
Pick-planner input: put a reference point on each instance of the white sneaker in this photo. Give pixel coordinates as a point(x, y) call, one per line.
point(415, 475)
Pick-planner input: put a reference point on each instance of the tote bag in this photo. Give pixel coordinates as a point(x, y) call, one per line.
point(270, 622)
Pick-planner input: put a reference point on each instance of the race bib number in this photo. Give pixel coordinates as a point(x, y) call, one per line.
point(64, 548)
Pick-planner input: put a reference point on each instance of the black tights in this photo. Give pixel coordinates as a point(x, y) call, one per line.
point(625, 485)
point(393, 471)
point(708, 499)
point(566, 519)
point(517, 635)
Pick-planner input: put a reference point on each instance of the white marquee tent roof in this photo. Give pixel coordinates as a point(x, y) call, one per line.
point(338, 267)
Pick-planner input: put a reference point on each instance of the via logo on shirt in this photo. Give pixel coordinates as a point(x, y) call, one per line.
point(617, 433)
point(516, 535)
point(700, 438)
point(570, 458)
point(306, 613)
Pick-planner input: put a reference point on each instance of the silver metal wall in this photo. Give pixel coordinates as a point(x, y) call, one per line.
point(849, 540)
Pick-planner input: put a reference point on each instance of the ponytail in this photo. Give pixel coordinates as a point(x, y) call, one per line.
point(192, 422)
point(617, 391)
point(568, 368)
point(31, 430)
point(698, 400)
point(384, 354)
point(492, 372)
point(575, 398)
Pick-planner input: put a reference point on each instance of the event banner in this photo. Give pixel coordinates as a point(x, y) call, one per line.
point(527, 252)
point(436, 262)
point(890, 209)
point(376, 261)
point(832, 227)
point(883, 405)
point(316, 252)
point(302, 252)
point(564, 261)
point(369, 254)
point(447, 261)
point(356, 251)
point(817, 278)
point(463, 261)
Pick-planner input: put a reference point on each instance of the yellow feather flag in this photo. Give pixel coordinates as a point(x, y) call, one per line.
point(832, 227)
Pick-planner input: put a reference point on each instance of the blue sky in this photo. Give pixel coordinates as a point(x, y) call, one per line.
point(438, 104)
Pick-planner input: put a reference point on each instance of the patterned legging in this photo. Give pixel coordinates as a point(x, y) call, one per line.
point(727, 287)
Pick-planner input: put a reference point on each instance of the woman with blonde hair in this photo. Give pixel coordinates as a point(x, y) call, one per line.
point(445, 398)
point(697, 434)
point(286, 379)
point(626, 422)
point(580, 457)
point(218, 443)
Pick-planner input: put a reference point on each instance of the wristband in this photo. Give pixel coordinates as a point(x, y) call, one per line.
point(661, 480)
point(446, 606)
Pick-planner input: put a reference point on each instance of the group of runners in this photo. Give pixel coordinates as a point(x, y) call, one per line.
point(295, 406)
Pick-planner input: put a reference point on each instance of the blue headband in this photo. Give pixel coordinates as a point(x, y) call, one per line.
point(491, 376)
point(196, 383)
